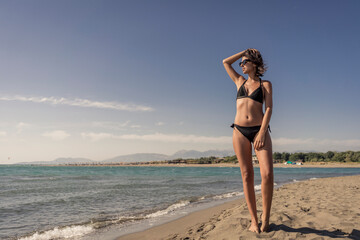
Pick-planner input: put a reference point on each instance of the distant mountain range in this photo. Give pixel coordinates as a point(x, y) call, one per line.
point(137, 157)
point(141, 157)
point(61, 161)
point(185, 154)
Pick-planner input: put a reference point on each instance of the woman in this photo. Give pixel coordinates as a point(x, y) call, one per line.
point(251, 126)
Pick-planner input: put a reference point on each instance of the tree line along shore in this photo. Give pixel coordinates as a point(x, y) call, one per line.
point(329, 156)
point(310, 157)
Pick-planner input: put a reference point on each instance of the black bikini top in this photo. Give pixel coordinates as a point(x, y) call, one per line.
point(256, 95)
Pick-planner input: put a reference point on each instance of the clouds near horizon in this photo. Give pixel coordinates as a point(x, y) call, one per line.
point(78, 102)
point(56, 135)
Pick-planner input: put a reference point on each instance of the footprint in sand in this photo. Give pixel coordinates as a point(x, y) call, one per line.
point(244, 222)
point(201, 228)
point(310, 224)
point(208, 228)
point(305, 209)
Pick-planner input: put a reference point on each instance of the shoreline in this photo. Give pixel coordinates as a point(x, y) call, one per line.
point(299, 209)
point(276, 165)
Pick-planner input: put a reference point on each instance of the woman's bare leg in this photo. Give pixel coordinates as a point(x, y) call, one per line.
point(242, 148)
point(264, 156)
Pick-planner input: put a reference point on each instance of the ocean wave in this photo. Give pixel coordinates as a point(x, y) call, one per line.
point(107, 221)
point(33, 178)
point(257, 187)
point(60, 233)
point(169, 209)
point(234, 194)
point(228, 195)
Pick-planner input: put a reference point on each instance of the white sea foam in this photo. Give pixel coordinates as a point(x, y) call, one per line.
point(257, 187)
point(294, 180)
point(275, 183)
point(60, 233)
point(171, 208)
point(313, 178)
point(228, 195)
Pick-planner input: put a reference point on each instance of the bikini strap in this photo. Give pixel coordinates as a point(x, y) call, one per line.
point(243, 83)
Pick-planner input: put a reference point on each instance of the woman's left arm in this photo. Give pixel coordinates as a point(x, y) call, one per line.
point(260, 139)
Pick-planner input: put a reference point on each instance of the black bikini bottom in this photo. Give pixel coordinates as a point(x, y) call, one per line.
point(248, 132)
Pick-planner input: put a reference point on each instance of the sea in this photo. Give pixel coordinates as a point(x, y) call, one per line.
point(104, 202)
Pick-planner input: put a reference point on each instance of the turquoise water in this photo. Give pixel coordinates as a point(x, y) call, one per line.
point(83, 199)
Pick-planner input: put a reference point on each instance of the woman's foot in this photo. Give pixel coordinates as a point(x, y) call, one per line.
point(254, 228)
point(264, 226)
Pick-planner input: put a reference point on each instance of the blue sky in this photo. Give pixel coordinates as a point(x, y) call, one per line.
point(99, 79)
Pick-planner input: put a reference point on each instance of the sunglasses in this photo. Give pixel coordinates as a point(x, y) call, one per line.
point(244, 62)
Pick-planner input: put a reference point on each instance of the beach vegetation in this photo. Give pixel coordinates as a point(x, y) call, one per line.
point(285, 156)
point(330, 156)
point(298, 157)
point(293, 158)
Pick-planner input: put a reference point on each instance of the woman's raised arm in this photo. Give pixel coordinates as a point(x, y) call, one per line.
point(230, 70)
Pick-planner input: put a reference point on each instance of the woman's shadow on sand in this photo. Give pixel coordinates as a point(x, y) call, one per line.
point(338, 233)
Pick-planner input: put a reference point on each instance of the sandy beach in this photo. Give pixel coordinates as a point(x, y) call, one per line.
point(323, 208)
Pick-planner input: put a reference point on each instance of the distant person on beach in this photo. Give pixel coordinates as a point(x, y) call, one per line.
point(251, 126)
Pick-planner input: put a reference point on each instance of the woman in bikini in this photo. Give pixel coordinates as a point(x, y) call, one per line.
point(251, 126)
